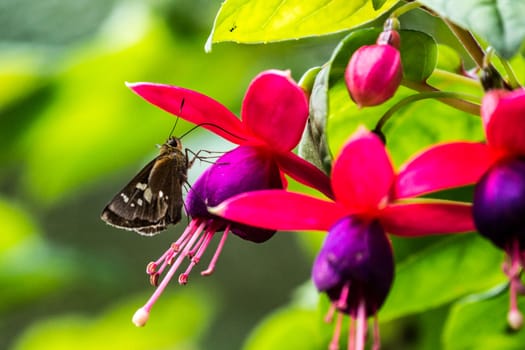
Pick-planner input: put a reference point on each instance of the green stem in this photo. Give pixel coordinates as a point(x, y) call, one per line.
point(405, 8)
point(456, 78)
point(511, 76)
point(462, 105)
point(421, 96)
point(469, 42)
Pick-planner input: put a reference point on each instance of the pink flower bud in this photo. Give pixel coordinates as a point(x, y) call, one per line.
point(373, 74)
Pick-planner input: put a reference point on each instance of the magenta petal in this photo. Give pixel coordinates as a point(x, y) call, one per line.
point(275, 109)
point(362, 174)
point(193, 107)
point(304, 172)
point(280, 210)
point(441, 167)
point(430, 218)
point(503, 115)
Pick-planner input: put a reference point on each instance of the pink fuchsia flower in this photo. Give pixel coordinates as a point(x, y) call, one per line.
point(274, 114)
point(355, 265)
point(374, 72)
point(499, 197)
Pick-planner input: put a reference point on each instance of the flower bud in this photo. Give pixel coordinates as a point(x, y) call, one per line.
point(374, 72)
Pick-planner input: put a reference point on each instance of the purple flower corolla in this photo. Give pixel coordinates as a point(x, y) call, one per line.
point(355, 265)
point(274, 114)
point(499, 197)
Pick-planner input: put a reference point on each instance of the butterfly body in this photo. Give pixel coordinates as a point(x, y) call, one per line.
point(153, 198)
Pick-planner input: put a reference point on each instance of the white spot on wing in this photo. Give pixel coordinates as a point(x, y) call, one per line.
point(141, 186)
point(124, 197)
point(148, 195)
point(139, 202)
point(161, 194)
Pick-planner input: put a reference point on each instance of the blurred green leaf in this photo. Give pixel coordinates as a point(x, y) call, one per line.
point(481, 323)
point(95, 125)
point(259, 21)
point(442, 273)
point(501, 23)
point(177, 321)
point(287, 329)
point(15, 224)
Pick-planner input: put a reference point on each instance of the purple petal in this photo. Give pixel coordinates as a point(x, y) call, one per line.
point(243, 169)
point(356, 253)
point(195, 108)
point(275, 109)
point(499, 203)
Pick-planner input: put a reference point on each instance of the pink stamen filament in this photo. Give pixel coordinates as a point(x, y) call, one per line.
point(360, 335)
point(351, 334)
point(334, 343)
point(515, 318)
point(195, 227)
point(329, 317)
point(213, 262)
point(342, 302)
point(200, 248)
point(158, 292)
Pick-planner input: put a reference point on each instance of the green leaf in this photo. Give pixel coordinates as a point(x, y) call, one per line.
point(442, 273)
point(262, 21)
point(481, 323)
point(501, 23)
point(177, 320)
point(418, 53)
point(286, 329)
point(378, 3)
point(313, 146)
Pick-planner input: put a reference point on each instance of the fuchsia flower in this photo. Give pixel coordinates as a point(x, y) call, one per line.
point(374, 72)
point(274, 114)
point(355, 266)
point(499, 197)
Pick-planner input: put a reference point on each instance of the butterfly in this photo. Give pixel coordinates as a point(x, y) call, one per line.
point(153, 198)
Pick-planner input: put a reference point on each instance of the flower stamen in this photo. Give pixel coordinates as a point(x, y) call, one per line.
point(334, 343)
point(513, 270)
point(213, 262)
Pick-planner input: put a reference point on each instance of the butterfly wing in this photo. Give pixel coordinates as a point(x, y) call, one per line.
point(151, 200)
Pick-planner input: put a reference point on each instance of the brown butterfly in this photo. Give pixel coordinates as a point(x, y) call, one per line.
point(153, 198)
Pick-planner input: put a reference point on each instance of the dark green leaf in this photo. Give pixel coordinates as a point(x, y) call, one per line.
point(313, 146)
point(481, 323)
point(377, 4)
point(501, 23)
point(442, 273)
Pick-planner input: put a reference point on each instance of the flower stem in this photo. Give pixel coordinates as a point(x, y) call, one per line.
point(511, 76)
point(462, 105)
point(405, 8)
point(468, 41)
point(421, 96)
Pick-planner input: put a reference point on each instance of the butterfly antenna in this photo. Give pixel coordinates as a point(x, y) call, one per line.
point(210, 124)
point(177, 120)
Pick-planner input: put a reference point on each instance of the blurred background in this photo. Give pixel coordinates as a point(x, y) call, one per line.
point(72, 135)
